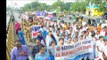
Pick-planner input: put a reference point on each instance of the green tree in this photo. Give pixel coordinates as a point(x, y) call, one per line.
point(27, 7)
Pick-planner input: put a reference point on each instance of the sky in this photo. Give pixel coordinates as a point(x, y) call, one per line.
point(21, 3)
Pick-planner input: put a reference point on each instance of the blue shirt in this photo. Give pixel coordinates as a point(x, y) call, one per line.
point(51, 57)
point(44, 33)
point(41, 57)
point(15, 53)
point(21, 34)
point(40, 37)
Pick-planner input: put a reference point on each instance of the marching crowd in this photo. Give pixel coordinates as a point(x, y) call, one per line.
point(55, 33)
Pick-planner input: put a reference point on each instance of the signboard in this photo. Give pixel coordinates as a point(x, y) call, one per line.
point(40, 13)
point(35, 30)
point(50, 15)
point(75, 51)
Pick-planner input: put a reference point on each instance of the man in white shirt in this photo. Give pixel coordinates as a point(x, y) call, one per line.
point(57, 35)
point(99, 45)
point(48, 38)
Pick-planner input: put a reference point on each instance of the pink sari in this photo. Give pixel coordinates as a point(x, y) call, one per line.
point(17, 26)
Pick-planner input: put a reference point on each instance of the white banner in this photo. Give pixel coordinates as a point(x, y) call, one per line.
point(71, 51)
point(35, 30)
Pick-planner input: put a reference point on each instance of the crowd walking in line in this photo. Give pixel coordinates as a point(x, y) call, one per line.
point(55, 33)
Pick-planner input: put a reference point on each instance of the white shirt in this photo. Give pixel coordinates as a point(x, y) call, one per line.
point(41, 29)
point(57, 37)
point(48, 40)
point(102, 33)
point(100, 45)
point(105, 49)
point(88, 37)
point(97, 36)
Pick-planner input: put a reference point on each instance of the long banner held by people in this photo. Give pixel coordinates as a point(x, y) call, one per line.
point(76, 51)
point(34, 31)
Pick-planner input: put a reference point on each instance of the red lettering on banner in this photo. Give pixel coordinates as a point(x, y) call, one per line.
point(71, 52)
point(64, 53)
point(35, 33)
point(86, 47)
point(80, 48)
point(58, 55)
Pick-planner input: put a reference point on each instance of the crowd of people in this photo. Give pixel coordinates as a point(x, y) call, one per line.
point(55, 33)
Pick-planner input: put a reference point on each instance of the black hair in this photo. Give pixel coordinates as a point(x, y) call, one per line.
point(51, 43)
point(37, 39)
point(50, 52)
point(58, 28)
point(93, 34)
point(39, 32)
point(42, 47)
point(105, 40)
point(104, 27)
point(83, 58)
point(54, 39)
point(100, 37)
point(19, 28)
point(69, 37)
point(87, 58)
point(81, 35)
point(50, 31)
point(61, 39)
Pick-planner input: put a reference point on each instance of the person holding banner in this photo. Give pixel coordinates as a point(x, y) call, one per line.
point(69, 41)
point(75, 40)
point(61, 42)
point(81, 38)
point(48, 38)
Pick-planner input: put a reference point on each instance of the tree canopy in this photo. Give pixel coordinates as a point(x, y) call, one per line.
point(59, 5)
